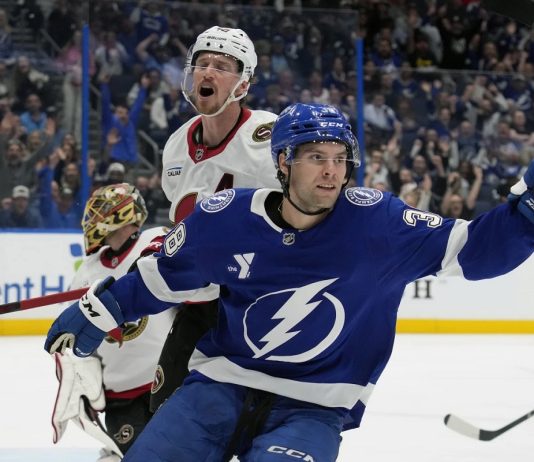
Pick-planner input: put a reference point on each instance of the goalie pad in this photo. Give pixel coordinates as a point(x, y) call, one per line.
point(77, 377)
point(90, 423)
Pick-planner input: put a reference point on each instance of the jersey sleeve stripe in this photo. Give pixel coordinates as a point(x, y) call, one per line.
point(221, 369)
point(457, 239)
point(156, 284)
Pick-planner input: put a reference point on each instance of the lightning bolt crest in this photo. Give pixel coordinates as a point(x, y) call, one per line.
point(294, 310)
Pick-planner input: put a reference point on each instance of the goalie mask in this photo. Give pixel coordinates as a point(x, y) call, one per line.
point(108, 209)
point(227, 41)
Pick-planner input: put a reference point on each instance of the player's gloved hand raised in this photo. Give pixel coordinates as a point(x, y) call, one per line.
point(522, 193)
point(84, 324)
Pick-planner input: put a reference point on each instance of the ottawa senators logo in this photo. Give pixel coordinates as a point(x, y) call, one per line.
point(159, 379)
point(125, 434)
point(131, 330)
point(263, 132)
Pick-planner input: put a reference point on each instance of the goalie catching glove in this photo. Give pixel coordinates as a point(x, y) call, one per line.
point(84, 324)
point(522, 194)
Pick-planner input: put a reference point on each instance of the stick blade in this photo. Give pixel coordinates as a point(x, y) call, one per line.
point(461, 426)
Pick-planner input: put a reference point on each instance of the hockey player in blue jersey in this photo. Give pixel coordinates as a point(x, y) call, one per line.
point(310, 280)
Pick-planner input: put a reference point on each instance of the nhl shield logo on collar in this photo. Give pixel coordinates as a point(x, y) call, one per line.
point(199, 153)
point(288, 238)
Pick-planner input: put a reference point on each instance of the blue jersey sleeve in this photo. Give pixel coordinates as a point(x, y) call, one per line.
point(422, 243)
point(164, 279)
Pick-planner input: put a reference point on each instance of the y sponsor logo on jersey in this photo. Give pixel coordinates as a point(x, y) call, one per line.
point(363, 196)
point(244, 261)
point(294, 325)
point(218, 201)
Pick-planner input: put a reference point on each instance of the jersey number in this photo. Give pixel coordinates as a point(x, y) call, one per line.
point(187, 203)
point(411, 217)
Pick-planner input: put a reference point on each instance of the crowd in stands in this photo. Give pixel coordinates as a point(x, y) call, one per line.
point(448, 111)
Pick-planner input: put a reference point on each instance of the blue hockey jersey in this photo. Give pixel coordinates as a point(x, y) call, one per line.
point(311, 314)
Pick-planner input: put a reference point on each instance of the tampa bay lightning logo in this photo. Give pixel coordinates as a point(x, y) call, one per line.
point(363, 196)
point(218, 201)
point(294, 325)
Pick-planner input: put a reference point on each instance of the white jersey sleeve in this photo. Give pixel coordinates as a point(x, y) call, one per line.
point(192, 171)
point(132, 365)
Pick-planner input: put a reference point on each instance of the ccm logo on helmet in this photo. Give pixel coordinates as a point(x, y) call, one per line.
point(291, 452)
point(331, 124)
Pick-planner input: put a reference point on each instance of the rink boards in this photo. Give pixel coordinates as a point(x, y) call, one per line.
point(40, 263)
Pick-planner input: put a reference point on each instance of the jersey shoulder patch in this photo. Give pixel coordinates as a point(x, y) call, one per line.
point(363, 197)
point(263, 132)
point(218, 201)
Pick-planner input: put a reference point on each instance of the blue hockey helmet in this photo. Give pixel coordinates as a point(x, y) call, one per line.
point(306, 123)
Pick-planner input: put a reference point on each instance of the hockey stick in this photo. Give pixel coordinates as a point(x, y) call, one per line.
point(42, 301)
point(465, 428)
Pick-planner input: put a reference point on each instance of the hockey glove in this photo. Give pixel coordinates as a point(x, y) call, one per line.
point(522, 194)
point(84, 324)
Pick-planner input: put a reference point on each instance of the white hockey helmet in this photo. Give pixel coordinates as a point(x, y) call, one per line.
point(225, 40)
point(233, 42)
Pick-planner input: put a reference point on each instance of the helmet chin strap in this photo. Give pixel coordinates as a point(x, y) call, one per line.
point(231, 98)
point(285, 189)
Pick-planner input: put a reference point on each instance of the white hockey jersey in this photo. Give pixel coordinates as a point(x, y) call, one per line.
point(192, 171)
point(128, 370)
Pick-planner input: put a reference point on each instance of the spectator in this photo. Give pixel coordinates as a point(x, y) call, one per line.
point(336, 76)
point(70, 63)
point(156, 88)
point(115, 173)
point(110, 56)
point(470, 145)
point(422, 57)
point(381, 119)
point(385, 57)
point(418, 195)
point(27, 81)
point(7, 87)
point(34, 118)
point(263, 77)
point(57, 205)
point(150, 189)
point(456, 204)
point(376, 170)
point(15, 168)
point(319, 93)
point(62, 22)
point(149, 19)
point(10, 127)
point(20, 215)
point(29, 12)
point(6, 40)
point(279, 60)
point(124, 122)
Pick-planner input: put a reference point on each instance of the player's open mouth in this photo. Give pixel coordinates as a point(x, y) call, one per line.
point(206, 91)
point(326, 186)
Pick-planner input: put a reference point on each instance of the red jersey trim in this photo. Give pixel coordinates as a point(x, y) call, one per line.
point(115, 260)
point(129, 394)
point(199, 152)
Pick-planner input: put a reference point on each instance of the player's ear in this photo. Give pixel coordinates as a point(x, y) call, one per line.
point(242, 88)
point(282, 164)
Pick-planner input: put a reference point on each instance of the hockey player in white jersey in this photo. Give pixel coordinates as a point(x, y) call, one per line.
point(118, 378)
point(225, 146)
point(311, 278)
